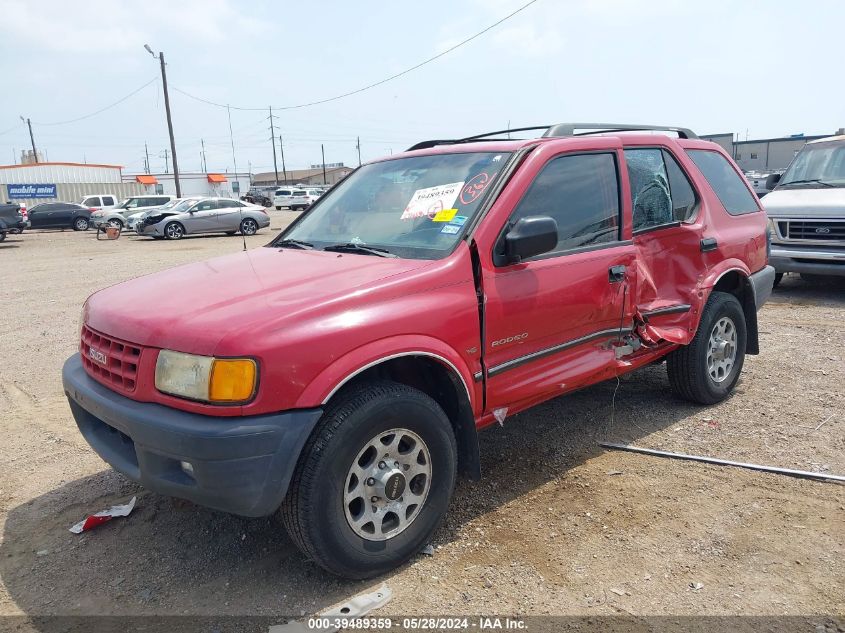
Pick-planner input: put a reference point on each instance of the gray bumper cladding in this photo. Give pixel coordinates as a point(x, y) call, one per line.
point(241, 465)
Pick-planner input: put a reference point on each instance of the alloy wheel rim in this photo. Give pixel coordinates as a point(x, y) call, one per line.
point(721, 350)
point(81, 224)
point(249, 227)
point(174, 231)
point(387, 485)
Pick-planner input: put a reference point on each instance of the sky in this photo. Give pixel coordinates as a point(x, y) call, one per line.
point(762, 69)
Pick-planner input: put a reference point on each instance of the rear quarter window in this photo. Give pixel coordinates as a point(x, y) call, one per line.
point(726, 183)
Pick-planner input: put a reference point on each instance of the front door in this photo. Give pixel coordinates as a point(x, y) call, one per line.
point(203, 217)
point(550, 320)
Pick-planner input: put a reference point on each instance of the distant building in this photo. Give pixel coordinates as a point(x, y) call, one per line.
point(768, 154)
point(33, 183)
point(303, 176)
point(222, 185)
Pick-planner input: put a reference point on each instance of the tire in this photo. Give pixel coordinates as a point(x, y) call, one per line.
point(174, 231)
point(80, 224)
point(2, 235)
point(322, 501)
point(116, 223)
point(778, 277)
point(278, 208)
point(249, 226)
point(691, 374)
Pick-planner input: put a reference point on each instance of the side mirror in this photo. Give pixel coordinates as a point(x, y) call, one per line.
point(772, 180)
point(530, 236)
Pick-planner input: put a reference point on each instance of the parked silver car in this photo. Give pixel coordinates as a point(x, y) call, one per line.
point(203, 215)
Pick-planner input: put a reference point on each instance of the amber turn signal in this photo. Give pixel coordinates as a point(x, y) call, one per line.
point(232, 380)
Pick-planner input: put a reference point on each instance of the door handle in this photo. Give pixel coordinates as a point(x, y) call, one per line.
point(615, 274)
point(708, 244)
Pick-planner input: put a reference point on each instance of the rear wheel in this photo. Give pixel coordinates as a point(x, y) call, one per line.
point(249, 226)
point(80, 224)
point(778, 277)
point(373, 482)
point(174, 231)
point(706, 370)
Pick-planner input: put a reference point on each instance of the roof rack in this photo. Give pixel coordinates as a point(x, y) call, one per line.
point(562, 129)
point(568, 129)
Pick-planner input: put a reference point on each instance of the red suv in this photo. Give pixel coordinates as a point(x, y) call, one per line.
point(343, 371)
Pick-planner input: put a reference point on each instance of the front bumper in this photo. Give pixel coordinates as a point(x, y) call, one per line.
point(808, 259)
point(762, 283)
point(241, 465)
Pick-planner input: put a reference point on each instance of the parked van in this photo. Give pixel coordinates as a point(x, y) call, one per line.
point(293, 199)
point(807, 211)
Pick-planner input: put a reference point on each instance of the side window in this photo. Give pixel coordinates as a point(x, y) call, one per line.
point(726, 183)
point(108, 201)
point(157, 202)
point(581, 192)
point(91, 202)
point(683, 195)
point(651, 199)
point(206, 205)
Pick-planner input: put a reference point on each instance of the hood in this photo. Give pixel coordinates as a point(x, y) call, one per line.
point(824, 202)
point(191, 308)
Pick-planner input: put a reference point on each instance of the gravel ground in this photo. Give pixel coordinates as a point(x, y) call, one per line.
point(558, 525)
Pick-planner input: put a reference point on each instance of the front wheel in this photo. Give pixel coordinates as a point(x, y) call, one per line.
point(373, 482)
point(278, 208)
point(174, 231)
point(80, 224)
point(115, 223)
point(249, 226)
point(706, 370)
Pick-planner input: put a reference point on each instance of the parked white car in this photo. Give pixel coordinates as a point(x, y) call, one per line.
point(119, 215)
point(99, 201)
point(293, 199)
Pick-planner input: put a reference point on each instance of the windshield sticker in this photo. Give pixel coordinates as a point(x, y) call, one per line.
point(450, 229)
point(445, 215)
point(460, 220)
point(428, 202)
point(475, 187)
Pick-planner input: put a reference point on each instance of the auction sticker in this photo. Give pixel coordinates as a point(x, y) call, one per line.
point(428, 202)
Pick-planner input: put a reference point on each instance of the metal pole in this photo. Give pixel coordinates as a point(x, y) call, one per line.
point(358, 147)
point(232, 139)
point(170, 126)
point(166, 164)
point(204, 162)
point(147, 154)
point(273, 143)
point(32, 140)
point(323, 152)
point(282, 150)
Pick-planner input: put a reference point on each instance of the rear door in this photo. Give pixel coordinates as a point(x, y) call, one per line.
point(550, 320)
point(229, 214)
point(668, 227)
point(63, 214)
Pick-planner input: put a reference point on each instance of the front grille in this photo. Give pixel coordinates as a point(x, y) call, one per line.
point(816, 230)
point(111, 361)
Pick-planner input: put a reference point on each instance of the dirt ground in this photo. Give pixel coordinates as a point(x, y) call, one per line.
point(558, 525)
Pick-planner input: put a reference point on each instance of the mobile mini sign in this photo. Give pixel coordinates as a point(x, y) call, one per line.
point(30, 191)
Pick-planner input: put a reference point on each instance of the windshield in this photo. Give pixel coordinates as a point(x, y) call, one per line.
point(412, 207)
point(182, 205)
point(822, 163)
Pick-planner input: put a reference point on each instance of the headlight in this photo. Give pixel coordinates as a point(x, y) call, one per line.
point(205, 378)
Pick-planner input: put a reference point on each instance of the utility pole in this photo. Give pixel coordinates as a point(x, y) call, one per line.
point(323, 152)
point(147, 154)
point(232, 139)
point(166, 166)
point(169, 119)
point(282, 150)
point(204, 162)
point(273, 143)
point(358, 147)
point(31, 139)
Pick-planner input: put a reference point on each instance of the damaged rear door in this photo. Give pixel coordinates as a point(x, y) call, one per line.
point(668, 229)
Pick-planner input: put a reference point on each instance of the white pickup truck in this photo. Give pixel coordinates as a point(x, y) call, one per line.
point(807, 211)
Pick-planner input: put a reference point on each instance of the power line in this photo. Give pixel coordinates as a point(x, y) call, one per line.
point(108, 107)
point(372, 85)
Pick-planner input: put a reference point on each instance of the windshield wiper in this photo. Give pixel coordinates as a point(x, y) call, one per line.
point(358, 248)
point(808, 180)
point(295, 244)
